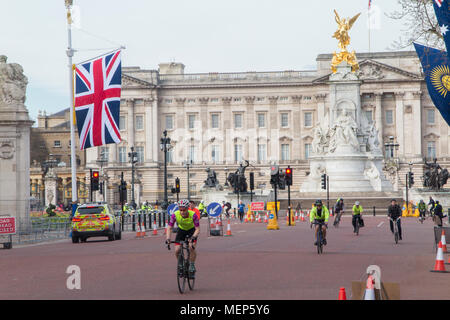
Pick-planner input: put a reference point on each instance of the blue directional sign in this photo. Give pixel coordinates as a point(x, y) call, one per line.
point(172, 208)
point(214, 209)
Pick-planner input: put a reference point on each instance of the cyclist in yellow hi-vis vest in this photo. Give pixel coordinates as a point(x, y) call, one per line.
point(357, 210)
point(188, 226)
point(320, 213)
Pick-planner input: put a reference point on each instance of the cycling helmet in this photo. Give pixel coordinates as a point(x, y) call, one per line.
point(318, 202)
point(183, 203)
point(357, 203)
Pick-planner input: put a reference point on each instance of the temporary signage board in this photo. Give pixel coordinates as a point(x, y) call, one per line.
point(7, 225)
point(257, 206)
point(214, 209)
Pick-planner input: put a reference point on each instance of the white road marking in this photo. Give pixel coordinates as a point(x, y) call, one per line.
point(380, 224)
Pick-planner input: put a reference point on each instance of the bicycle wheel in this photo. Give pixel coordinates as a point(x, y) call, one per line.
point(319, 242)
point(191, 281)
point(357, 227)
point(396, 236)
point(181, 276)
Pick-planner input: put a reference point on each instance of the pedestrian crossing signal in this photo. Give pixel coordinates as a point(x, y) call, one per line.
point(324, 181)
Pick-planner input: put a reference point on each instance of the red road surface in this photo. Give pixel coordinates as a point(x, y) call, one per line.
point(254, 263)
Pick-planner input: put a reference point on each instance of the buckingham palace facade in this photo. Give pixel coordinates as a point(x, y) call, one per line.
point(216, 120)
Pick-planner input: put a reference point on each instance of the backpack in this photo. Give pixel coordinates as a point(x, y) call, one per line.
point(361, 222)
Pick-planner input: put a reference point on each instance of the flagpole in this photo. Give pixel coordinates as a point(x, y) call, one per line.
point(369, 24)
point(70, 53)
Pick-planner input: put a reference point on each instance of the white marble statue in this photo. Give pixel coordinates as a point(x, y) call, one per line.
point(344, 132)
point(320, 140)
point(374, 142)
point(13, 83)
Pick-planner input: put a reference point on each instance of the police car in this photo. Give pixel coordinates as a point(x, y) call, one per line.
point(95, 220)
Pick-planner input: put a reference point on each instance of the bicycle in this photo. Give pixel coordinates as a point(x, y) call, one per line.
point(396, 234)
point(319, 240)
point(422, 216)
point(183, 262)
point(337, 219)
point(357, 224)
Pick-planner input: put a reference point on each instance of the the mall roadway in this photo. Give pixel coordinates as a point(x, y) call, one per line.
point(254, 263)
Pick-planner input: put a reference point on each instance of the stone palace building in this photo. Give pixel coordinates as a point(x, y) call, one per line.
point(217, 120)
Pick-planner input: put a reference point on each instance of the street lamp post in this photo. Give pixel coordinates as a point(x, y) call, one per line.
point(101, 162)
point(165, 146)
point(133, 159)
point(187, 164)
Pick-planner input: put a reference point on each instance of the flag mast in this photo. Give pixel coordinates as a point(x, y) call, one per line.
point(70, 51)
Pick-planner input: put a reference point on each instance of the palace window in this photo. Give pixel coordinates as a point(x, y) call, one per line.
point(215, 153)
point(262, 154)
point(430, 116)
point(140, 154)
point(191, 120)
point(169, 122)
point(214, 121)
point(57, 144)
point(238, 156)
point(284, 120)
point(139, 122)
point(389, 117)
point(285, 152)
point(261, 120)
point(238, 120)
point(308, 119)
point(123, 154)
point(369, 116)
point(308, 150)
point(431, 149)
point(122, 123)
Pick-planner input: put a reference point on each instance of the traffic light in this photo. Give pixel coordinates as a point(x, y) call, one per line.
point(411, 178)
point(101, 187)
point(282, 180)
point(252, 181)
point(123, 192)
point(94, 181)
point(289, 177)
point(274, 175)
point(177, 185)
point(324, 181)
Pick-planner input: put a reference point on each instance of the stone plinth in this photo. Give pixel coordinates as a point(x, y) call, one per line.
point(417, 194)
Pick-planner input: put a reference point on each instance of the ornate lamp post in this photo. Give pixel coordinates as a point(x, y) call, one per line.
point(133, 159)
point(165, 146)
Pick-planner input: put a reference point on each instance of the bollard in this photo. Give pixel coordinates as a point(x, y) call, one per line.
point(159, 219)
point(145, 221)
point(448, 215)
point(133, 223)
point(139, 219)
point(374, 211)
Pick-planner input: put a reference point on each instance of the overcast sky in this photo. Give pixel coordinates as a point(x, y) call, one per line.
point(205, 35)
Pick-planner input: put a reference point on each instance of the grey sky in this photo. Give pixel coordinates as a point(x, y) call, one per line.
point(205, 35)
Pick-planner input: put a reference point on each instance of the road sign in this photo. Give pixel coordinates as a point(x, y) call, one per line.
point(214, 209)
point(271, 205)
point(257, 206)
point(172, 208)
point(7, 225)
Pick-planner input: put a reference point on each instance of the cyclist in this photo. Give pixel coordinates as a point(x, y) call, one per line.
point(320, 213)
point(188, 225)
point(193, 208)
point(338, 210)
point(394, 213)
point(422, 207)
point(202, 208)
point(432, 204)
point(227, 207)
point(356, 210)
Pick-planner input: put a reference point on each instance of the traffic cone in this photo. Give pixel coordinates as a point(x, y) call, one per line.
point(303, 216)
point(370, 290)
point(138, 230)
point(142, 230)
point(444, 244)
point(213, 224)
point(228, 229)
point(155, 231)
point(296, 215)
point(266, 219)
point(259, 218)
point(342, 295)
point(246, 218)
point(439, 264)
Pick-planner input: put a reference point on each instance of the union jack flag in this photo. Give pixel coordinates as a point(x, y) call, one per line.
point(438, 2)
point(97, 100)
point(370, 4)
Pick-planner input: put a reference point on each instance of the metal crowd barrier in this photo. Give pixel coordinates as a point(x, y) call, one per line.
point(143, 217)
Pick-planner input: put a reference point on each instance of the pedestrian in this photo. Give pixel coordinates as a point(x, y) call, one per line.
point(227, 207)
point(241, 210)
point(432, 204)
point(438, 214)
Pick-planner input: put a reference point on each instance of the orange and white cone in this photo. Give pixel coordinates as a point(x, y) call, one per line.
point(266, 219)
point(303, 216)
point(439, 264)
point(246, 218)
point(444, 244)
point(138, 230)
point(296, 215)
point(142, 230)
point(155, 231)
point(259, 218)
point(370, 290)
point(342, 295)
point(228, 228)
point(212, 224)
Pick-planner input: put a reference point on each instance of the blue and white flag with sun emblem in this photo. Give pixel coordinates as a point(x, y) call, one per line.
point(436, 68)
point(442, 10)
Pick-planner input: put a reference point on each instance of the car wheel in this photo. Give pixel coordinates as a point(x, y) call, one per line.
point(75, 239)
point(119, 236)
point(112, 237)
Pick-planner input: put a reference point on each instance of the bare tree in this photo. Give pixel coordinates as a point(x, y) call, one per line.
point(420, 24)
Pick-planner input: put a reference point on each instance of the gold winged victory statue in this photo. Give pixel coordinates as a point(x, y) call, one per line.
point(344, 26)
